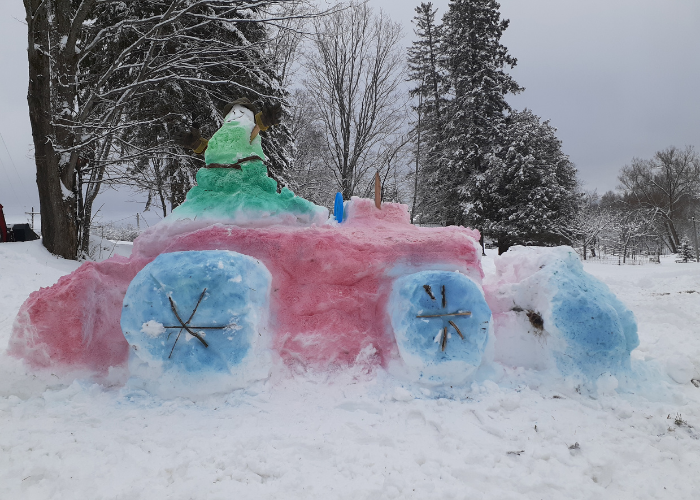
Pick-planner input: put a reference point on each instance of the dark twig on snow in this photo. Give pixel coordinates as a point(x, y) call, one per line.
point(185, 324)
point(455, 327)
point(465, 313)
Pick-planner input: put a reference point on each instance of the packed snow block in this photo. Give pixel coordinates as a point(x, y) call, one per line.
point(73, 326)
point(549, 311)
point(246, 197)
point(442, 323)
point(199, 312)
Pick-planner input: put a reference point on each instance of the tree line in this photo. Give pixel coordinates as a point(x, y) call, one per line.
point(652, 211)
point(109, 80)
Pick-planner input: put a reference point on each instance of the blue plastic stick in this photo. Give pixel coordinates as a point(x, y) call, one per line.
point(338, 207)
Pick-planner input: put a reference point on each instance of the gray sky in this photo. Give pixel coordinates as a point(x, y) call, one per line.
point(617, 78)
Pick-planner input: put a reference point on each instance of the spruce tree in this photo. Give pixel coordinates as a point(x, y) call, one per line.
point(429, 82)
point(475, 61)
point(529, 187)
point(685, 253)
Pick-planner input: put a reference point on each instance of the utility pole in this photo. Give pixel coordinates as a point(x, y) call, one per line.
point(32, 213)
point(695, 236)
point(138, 223)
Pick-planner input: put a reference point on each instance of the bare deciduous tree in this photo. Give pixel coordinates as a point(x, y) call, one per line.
point(586, 225)
point(667, 184)
point(353, 75)
point(90, 60)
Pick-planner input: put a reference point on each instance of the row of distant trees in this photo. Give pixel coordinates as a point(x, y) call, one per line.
point(652, 211)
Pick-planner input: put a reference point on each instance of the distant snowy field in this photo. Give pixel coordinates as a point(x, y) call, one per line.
point(356, 435)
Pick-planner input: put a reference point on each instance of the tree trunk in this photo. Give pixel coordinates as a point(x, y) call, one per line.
point(58, 225)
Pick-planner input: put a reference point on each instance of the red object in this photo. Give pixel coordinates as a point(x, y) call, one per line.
point(3, 227)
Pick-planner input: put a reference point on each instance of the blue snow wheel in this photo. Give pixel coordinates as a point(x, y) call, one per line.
point(197, 311)
point(441, 322)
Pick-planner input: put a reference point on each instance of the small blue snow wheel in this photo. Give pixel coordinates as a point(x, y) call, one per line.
point(441, 322)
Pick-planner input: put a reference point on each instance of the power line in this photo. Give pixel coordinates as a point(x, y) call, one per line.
point(13, 163)
point(12, 186)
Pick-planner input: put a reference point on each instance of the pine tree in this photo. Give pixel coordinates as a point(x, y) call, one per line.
point(685, 253)
point(423, 58)
point(528, 187)
point(429, 82)
point(475, 62)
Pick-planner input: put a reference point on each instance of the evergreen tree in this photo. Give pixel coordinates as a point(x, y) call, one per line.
point(423, 58)
point(475, 62)
point(429, 83)
point(528, 187)
point(685, 253)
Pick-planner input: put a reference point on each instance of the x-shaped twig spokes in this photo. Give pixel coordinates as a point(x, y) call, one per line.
point(443, 340)
point(185, 325)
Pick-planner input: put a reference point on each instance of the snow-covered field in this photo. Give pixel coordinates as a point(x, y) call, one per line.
point(359, 435)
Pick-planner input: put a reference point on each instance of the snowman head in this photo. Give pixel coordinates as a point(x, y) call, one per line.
point(240, 110)
point(239, 113)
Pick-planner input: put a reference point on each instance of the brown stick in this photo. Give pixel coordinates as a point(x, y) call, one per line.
point(377, 191)
point(444, 298)
point(184, 325)
point(455, 327)
point(429, 291)
point(444, 339)
point(254, 133)
point(200, 327)
point(175, 343)
point(236, 165)
point(441, 315)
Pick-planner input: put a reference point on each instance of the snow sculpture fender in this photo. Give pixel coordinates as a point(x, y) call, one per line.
point(549, 312)
point(199, 312)
point(441, 322)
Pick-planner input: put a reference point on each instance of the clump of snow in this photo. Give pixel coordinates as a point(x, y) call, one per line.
point(153, 328)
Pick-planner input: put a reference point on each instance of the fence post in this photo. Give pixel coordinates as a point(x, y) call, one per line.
point(695, 237)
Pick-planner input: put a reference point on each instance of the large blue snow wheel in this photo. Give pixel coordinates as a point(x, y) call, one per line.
point(197, 311)
point(441, 322)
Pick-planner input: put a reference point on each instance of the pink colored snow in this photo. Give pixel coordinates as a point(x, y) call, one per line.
point(329, 291)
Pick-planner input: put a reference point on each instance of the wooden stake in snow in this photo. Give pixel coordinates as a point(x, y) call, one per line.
point(377, 191)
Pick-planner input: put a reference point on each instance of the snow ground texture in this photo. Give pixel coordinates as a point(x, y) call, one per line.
point(356, 434)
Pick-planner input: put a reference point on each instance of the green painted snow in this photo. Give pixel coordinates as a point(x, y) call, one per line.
point(244, 195)
point(231, 143)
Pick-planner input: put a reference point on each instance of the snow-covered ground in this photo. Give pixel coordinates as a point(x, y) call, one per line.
point(361, 435)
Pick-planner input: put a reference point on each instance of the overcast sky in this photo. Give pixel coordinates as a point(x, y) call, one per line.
point(617, 78)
